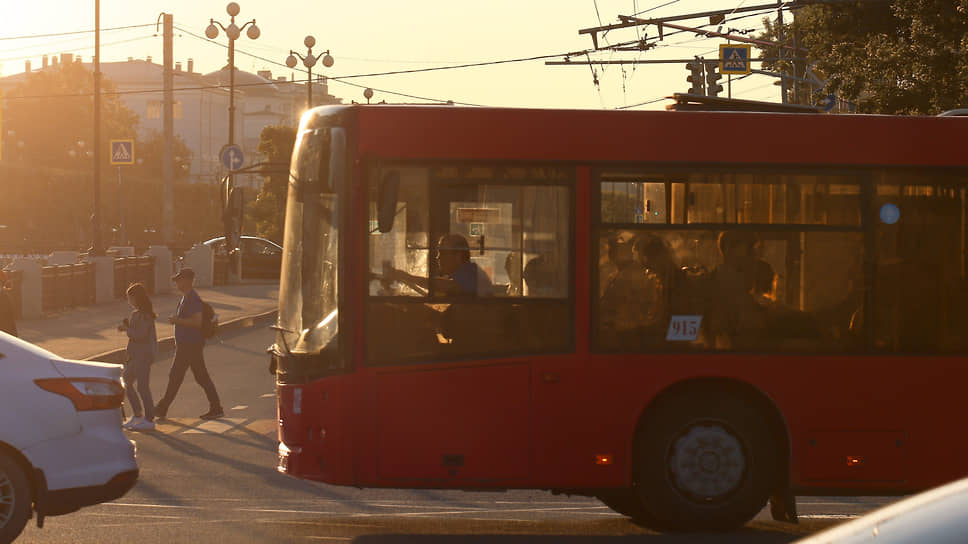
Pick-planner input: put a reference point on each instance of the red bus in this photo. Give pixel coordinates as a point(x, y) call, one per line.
point(685, 314)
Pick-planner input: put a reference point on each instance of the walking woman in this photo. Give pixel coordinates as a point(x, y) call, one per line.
point(142, 350)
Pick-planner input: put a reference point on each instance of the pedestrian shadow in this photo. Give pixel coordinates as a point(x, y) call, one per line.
point(241, 434)
point(185, 447)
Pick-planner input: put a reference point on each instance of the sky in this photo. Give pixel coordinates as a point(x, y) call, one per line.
point(378, 36)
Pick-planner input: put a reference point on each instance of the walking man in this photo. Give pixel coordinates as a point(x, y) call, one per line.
point(189, 343)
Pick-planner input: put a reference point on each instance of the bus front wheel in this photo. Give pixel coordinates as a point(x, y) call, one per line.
point(704, 462)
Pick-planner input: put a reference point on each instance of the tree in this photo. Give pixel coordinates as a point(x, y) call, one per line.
point(53, 109)
point(268, 210)
point(151, 148)
point(891, 57)
point(48, 180)
point(48, 197)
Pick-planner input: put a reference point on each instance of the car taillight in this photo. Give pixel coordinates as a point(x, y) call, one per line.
point(86, 393)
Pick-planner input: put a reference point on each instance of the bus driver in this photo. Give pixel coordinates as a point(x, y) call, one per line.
point(458, 274)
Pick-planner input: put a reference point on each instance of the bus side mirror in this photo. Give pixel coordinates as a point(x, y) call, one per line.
point(387, 196)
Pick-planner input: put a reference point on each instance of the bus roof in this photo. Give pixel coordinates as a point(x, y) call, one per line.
point(591, 136)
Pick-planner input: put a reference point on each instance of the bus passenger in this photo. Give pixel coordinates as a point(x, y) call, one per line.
point(782, 323)
point(512, 267)
point(459, 275)
point(734, 317)
point(539, 277)
point(628, 306)
point(658, 259)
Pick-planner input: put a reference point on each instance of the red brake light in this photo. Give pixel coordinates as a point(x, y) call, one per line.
point(86, 393)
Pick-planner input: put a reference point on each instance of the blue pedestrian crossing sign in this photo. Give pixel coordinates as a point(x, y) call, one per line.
point(231, 156)
point(734, 59)
point(122, 152)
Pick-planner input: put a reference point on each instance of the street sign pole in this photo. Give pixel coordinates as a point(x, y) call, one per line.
point(123, 238)
point(232, 158)
point(122, 153)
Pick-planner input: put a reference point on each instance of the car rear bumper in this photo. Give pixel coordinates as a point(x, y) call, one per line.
point(65, 501)
point(99, 457)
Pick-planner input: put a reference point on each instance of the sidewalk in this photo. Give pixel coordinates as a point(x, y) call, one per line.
point(90, 332)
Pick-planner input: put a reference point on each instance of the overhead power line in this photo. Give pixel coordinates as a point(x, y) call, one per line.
point(54, 34)
point(399, 72)
point(340, 79)
point(109, 44)
point(223, 87)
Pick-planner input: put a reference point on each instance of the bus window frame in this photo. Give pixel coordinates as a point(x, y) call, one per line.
point(569, 182)
point(864, 177)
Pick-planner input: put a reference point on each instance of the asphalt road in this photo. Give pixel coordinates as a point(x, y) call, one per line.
point(216, 482)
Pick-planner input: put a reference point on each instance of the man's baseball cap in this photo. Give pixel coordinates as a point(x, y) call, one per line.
point(184, 273)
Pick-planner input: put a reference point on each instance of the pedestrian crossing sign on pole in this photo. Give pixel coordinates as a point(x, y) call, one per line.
point(734, 59)
point(122, 152)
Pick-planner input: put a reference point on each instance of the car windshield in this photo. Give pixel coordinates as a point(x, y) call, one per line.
point(308, 315)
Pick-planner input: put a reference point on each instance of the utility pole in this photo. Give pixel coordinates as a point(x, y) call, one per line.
point(779, 30)
point(97, 248)
point(167, 168)
point(797, 68)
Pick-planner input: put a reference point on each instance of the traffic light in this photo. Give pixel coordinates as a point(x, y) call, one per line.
point(695, 77)
point(712, 76)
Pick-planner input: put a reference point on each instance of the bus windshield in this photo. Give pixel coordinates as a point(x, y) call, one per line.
point(308, 317)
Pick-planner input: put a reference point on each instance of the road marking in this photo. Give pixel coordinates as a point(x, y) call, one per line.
point(317, 523)
point(264, 426)
point(216, 426)
point(267, 395)
point(240, 407)
point(329, 538)
point(139, 515)
point(281, 511)
point(187, 425)
point(480, 511)
point(148, 505)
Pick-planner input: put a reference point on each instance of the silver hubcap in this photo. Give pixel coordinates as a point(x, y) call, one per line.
point(7, 499)
point(707, 462)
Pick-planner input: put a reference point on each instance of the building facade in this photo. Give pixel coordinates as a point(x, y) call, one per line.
point(201, 107)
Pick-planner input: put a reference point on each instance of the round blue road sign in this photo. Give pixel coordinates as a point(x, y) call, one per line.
point(890, 213)
point(231, 156)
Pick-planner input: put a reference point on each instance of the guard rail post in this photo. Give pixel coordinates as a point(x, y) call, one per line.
point(31, 287)
point(48, 281)
point(16, 279)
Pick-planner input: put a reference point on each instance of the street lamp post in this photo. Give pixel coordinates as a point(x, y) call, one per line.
point(309, 60)
point(233, 32)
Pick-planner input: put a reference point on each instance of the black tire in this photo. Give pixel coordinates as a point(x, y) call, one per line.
point(15, 499)
point(622, 501)
point(704, 462)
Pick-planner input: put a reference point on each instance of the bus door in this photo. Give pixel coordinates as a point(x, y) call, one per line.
point(465, 284)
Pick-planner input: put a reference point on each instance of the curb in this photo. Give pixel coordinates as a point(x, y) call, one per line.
point(165, 345)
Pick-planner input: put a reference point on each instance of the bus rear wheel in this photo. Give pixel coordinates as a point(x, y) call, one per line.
point(623, 501)
point(704, 462)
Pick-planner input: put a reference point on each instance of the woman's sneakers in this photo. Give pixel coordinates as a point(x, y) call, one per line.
point(138, 423)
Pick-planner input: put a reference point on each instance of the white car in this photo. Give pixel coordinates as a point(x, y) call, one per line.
point(261, 257)
point(61, 443)
point(936, 516)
